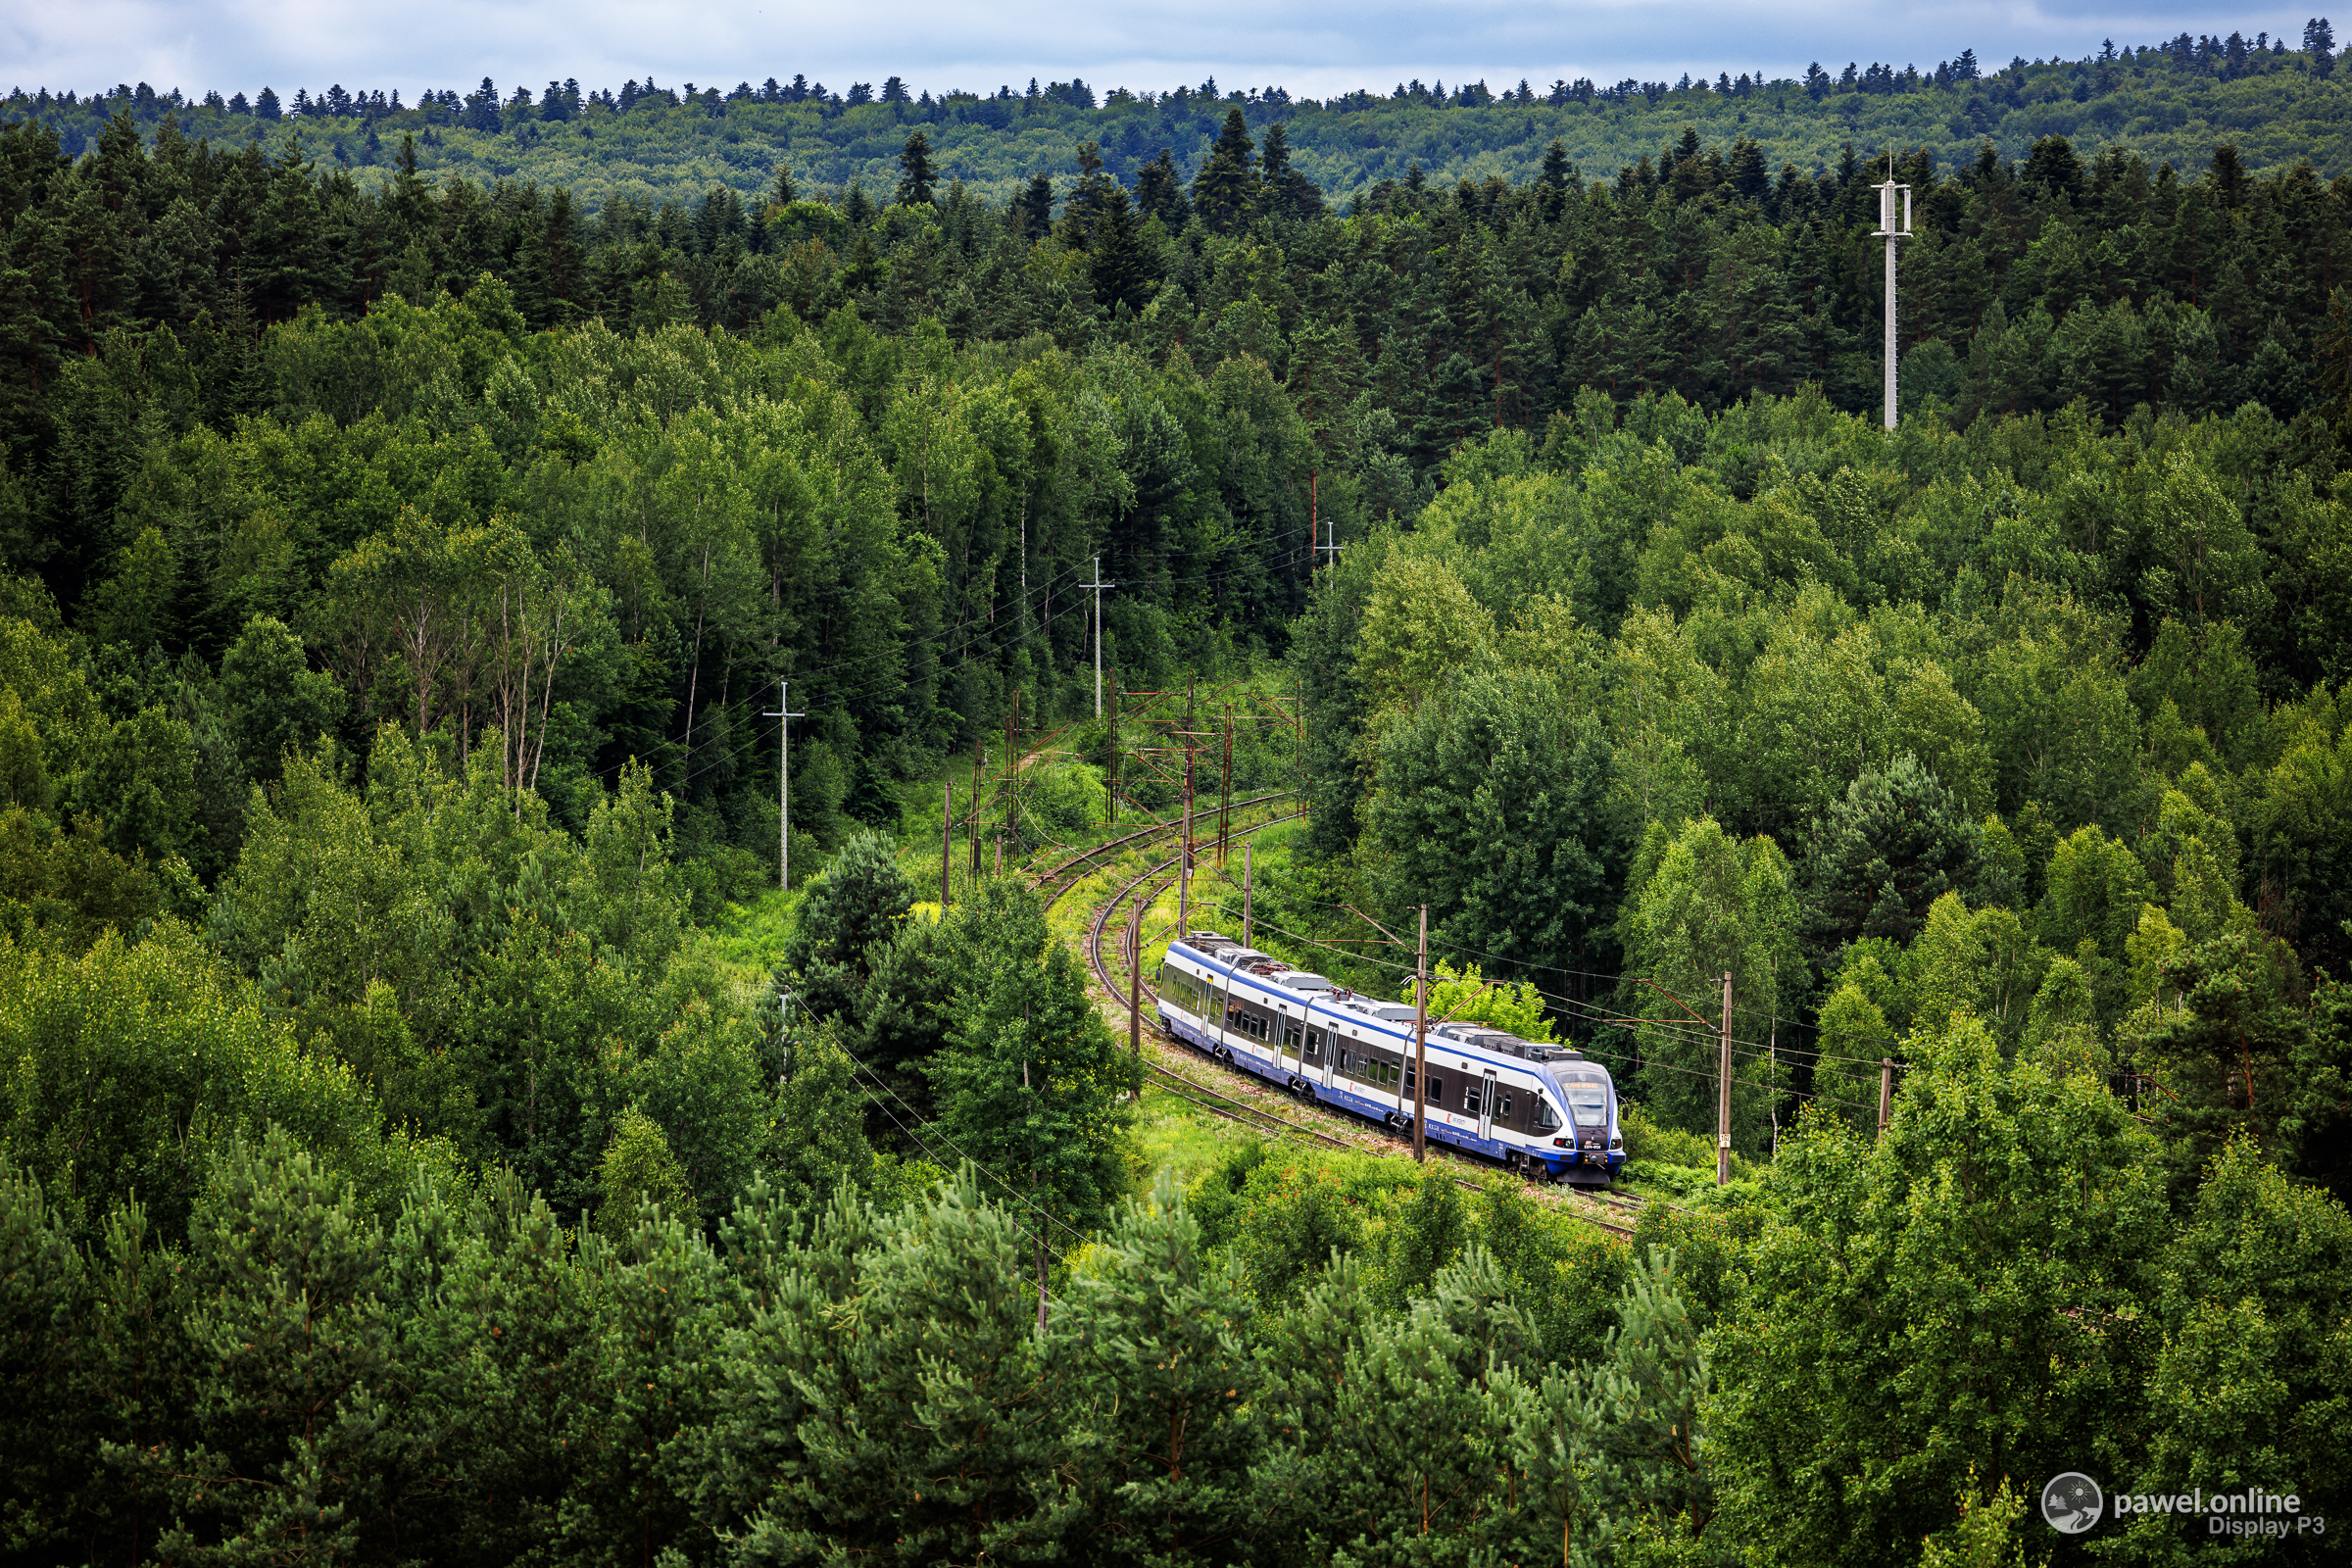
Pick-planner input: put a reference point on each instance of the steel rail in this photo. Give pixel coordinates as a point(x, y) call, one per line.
point(1228, 1106)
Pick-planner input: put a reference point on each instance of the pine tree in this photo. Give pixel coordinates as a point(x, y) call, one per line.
point(917, 178)
point(1287, 193)
point(1558, 173)
point(846, 923)
point(1640, 1407)
point(1159, 194)
point(816, 1136)
point(290, 1308)
point(1893, 845)
point(1035, 205)
point(50, 1446)
point(1225, 191)
point(1030, 1084)
point(1121, 268)
point(1158, 1358)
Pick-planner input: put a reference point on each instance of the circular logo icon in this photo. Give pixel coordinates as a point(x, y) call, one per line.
point(2072, 1502)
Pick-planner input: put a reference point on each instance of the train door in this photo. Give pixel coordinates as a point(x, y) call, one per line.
point(1486, 1107)
point(1320, 1051)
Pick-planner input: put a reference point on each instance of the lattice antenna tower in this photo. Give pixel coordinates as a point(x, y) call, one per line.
point(1894, 227)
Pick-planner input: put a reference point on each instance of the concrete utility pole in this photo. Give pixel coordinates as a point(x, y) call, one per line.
point(1098, 585)
point(1886, 1093)
point(1892, 234)
point(784, 716)
point(1723, 1093)
point(1114, 739)
point(1421, 1042)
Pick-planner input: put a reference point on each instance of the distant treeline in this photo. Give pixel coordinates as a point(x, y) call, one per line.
point(2170, 101)
point(1431, 315)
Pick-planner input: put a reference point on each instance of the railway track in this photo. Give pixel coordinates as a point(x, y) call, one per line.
point(1056, 880)
point(1233, 1108)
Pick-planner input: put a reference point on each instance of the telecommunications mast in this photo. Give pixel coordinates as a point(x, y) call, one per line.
point(1889, 231)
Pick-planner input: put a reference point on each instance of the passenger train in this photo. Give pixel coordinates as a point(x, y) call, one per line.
point(1541, 1109)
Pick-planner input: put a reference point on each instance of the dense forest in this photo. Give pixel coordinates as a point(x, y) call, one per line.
point(2172, 101)
point(430, 1136)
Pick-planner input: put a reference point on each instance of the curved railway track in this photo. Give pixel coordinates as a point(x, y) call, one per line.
point(1232, 1107)
point(1062, 878)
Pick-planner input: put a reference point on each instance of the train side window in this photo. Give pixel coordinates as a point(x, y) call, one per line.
point(1502, 1104)
point(1545, 1119)
point(1470, 1099)
point(1314, 1042)
point(1437, 1089)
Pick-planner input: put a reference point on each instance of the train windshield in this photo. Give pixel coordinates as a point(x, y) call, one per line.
point(1587, 1095)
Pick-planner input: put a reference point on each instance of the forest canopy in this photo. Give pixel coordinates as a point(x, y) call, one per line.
point(427, 1134)
point(2278, 100)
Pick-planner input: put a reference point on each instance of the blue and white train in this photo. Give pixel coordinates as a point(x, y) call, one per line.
point(1541, 1109)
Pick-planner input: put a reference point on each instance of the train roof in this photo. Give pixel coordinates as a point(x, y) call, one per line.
point(1454, 1034)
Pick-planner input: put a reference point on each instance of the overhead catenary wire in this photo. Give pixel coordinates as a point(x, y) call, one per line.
point(1467, 950)
point(1011, 633)
point(884, 1085)
point(1687, 1034)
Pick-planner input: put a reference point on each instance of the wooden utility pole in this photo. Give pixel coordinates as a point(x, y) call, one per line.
point(1421, 1041)
point(1248, 861)
point(947, 839)
point(1135, 993)
point(784, 716)
point(1886, 1093)
point(1723, 1093)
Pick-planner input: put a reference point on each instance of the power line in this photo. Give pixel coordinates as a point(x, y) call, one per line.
point(884, 1085)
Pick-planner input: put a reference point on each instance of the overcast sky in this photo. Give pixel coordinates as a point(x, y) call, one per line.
point(1312, 49)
